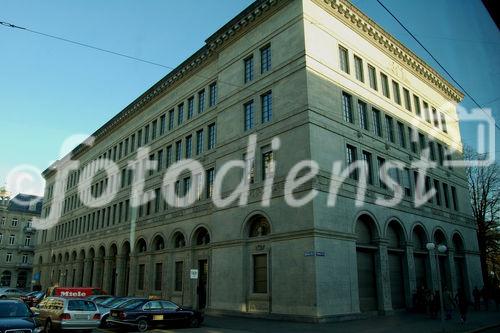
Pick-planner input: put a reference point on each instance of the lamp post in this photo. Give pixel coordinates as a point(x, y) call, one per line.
point(431, 247)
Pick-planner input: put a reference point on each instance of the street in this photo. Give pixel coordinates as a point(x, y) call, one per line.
point(402, 322)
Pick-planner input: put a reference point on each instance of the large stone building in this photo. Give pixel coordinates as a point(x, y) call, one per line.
point(332, 85)
point(17, 238)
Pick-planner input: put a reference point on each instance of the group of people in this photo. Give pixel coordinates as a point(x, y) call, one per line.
point(486, 295)
point(428, 301)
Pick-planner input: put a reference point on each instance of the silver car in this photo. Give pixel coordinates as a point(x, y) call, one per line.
point(10, 293)
point(57, 313)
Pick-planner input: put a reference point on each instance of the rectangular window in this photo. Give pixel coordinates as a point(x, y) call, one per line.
point(363, 120)
point(385, 85)
point(372, 76)
point(199, 142)
point(248, 115)
point(396, 92)
point(438, 192)
point(211, 136)
point(432, 150)
point(248, 64)
point(344, 59)
point(407, 182)
point(179, 272)
point(249, 169)
point(171, 117)
point(413, 140)
point(198, 185)
point(367, 158)
point(146, 134)
point(153, 129)
point(158, 276)
point(454, 198)
point(422, 142)
point(358, 67)
point(402, 133)
point(210, 182)
point(416, 103)
point(9, 257)
point(435, 117)
point(201, 101)
point(267, 107)
point(189, 144)
point(140, 277)
point(187, 187)
point(377, 122)
point(268, 164)
point(163, 123)
point(440, 153)
point(159, 159)
point(265, 59)
point(120, 150)
point(381, 162)
point(428, 187)
point(178, 150)
point(443, 123)
point(190, 107)
point(427, 112)
point(180, 113)
point(446, 195)
point(406, 98)
point(351, 158)
point(347, 108)
point(390, 128)
point(125, 148)
point(212, 98)
point(132, 143)
point(260, 273)
point(169, 156)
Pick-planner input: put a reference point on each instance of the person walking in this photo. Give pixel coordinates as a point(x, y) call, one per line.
point(448, 303)
point(477, 299)
point(462, 303)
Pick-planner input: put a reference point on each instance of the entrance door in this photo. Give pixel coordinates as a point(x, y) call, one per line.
point(366, 281)
point(397, 280)
point(202, 283)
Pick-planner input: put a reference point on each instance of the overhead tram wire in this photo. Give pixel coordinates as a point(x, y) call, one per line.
point(437, 61)
point(123, 55)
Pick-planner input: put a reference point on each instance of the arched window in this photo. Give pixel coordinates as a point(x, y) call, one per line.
point(259, 226)
point(439, 237)
point(202, 237)
point(394, 235)
point(179, 240)
point(5, 279)
point(158, 243)
point(364, 230)
point(141, 246)
point(458, 243)
point(419, 238)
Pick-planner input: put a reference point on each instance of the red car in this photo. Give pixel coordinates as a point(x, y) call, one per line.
point(33, 298)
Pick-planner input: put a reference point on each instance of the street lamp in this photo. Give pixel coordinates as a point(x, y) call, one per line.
point(431, 247)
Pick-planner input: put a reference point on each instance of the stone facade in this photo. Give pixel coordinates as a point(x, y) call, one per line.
point(276, 71)
point(17, 239)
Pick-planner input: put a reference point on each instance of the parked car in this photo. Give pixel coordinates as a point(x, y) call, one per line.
point(15, 316)
point(57, 313)
point(106, 305)
point(144, 314)
point(33, 298)
point(10, 293)
point(99, 298)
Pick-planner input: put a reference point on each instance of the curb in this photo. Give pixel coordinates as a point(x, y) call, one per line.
point(484, 328)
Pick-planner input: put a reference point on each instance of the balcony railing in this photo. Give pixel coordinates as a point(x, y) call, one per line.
point(26, 248)
point(29, 230)
point(24, 265)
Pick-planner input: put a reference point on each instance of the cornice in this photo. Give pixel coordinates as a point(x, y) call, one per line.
point(212, 44)
point(359, 22)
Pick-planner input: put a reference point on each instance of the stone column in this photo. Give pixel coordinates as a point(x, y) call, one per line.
point(120, 275)
point(97, 276)
point(409, 274)
point(79, 271)
point(148, 274)
point(132, 284)
point(108, 274)
point(453, 275)
point(87, 272)
point(383, 278)
point(433, 274)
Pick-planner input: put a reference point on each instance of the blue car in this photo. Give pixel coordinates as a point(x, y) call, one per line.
point(15, 316)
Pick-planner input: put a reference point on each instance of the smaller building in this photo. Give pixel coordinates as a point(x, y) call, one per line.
point(17, 238)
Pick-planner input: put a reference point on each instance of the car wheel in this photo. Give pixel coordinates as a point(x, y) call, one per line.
point(104, 322)
point(194, 322)
point(142, 325)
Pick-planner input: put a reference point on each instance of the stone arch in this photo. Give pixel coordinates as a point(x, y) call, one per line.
point(66, 257)
point(395, 233)
point(178, 240)
point(366, 229)
point(53, 260)
point(158, 242)
point(40, 260)
point(91, 252)
point(81, 255)
point(251, 221)
point(419, 237)
point(458, 242)
point(113, 250)
point(125, 248)
point(141, 245)
point(73, 255)
point(201, 236)
point(367, 216)
point(101, 252)
point(439, 236)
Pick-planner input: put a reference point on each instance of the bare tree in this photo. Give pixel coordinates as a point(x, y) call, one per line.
point(485, 201)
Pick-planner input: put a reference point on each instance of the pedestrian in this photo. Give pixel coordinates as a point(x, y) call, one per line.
point(477, 299)
point(434, 304)
point(448, 303)
point(463, 303)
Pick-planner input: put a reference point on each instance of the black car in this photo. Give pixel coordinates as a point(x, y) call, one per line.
point(16, 316)
point(144, 314)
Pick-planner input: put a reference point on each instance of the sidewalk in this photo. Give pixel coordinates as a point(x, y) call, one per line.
point(405, 323)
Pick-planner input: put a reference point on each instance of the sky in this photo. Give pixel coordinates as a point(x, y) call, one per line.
point(51, 91)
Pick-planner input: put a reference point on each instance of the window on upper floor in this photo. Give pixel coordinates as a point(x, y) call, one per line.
point(210, 182)
point(180, 113)
point(358, 67)
point(178, 150)
point(267, 107)
point(212, 98)
point(163, 123)
point(211, 136)
point(435, 117)
point(385, 85)
point(146, 134)
point(407, 99)
point(14, 222)
point(199, 142)
point(427, 112)
point(367, 158)
point(201, 101)
point(372, 76)
point(443, 123)
point(190, 107)
point(396, 92)
point(389, 124)
point(12, 239)
point(248, 66)
point(171, 117)
point(265, 59)
point(377, 122)
point(189, 145)
point(351, 157)
point(344, 59)
point(268, 163)
point(248, 115)
point(454, 198)
point(402, 134)
point(362, 113)
point(347, 108)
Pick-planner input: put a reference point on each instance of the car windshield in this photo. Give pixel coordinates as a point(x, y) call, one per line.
point(110, 302)
point(132, 303)
point(81, 305)
point(12, 310)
